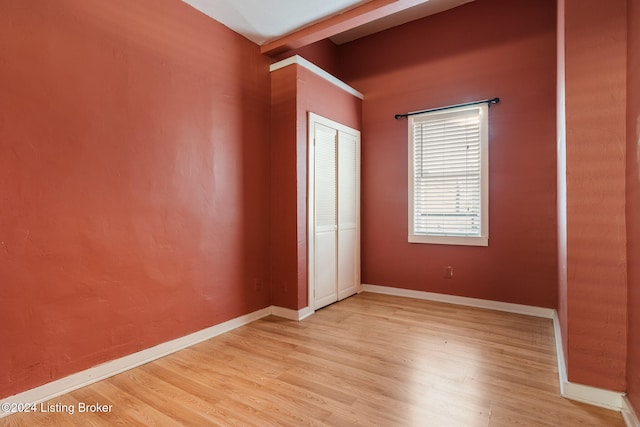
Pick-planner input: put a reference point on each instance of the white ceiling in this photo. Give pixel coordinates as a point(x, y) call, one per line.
point(265, 20)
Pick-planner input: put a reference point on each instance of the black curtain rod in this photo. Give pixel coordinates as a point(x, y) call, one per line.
point(413, 113)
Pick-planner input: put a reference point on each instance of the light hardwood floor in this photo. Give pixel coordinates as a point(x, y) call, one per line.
point(368, 360)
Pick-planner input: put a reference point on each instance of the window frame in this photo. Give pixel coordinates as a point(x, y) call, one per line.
point(483, 238)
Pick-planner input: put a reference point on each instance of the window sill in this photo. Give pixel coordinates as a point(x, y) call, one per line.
point(450, 240)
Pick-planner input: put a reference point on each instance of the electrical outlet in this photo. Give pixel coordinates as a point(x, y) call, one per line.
point(448, 272)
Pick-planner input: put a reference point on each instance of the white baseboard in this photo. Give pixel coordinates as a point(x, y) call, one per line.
point(89, 376)
point(562, 366)
point(629, 414)
point(593, 395)
point(528, 310)
point(290, 314)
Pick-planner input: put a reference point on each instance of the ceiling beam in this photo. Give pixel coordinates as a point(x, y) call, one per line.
point(337, 24)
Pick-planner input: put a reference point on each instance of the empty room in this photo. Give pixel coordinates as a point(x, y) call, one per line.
point(323, 213)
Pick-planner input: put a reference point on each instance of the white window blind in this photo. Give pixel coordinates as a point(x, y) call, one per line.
point(448, 176)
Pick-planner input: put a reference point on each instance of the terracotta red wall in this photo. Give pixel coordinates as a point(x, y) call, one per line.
point(633, 202)
point(480, 50)
point(284, 189)
point(323, 53)
point(595, 56)
point(134, 186)
point(295, 92)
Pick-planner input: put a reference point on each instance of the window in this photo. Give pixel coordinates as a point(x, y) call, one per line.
point(448, 177)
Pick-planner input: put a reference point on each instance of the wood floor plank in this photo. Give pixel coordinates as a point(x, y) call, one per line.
point(370, 360)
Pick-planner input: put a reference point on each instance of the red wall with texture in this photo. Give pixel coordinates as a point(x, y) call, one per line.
point(133, 187)
point(596, 302)
point(479, 50)
point(323, 53)
point(633, 202)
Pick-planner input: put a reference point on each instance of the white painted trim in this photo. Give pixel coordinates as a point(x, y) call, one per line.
point(290, 314)
point(528, 310)
point(311, 212)
point(593, 395)
point(297, 59)
point(562, 366)
point(629, 414)
point(97, 373)
point(582, 393)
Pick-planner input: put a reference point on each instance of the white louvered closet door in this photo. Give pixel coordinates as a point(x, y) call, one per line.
point(335, 233)
point(326, 230)
point(348, 249)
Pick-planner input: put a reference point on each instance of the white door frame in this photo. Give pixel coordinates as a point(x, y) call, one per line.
point(312, 120)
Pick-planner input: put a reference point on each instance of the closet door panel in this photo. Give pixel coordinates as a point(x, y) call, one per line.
point(326, 269)
point(347, 263)
point(326, 215)
point(347, 214)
